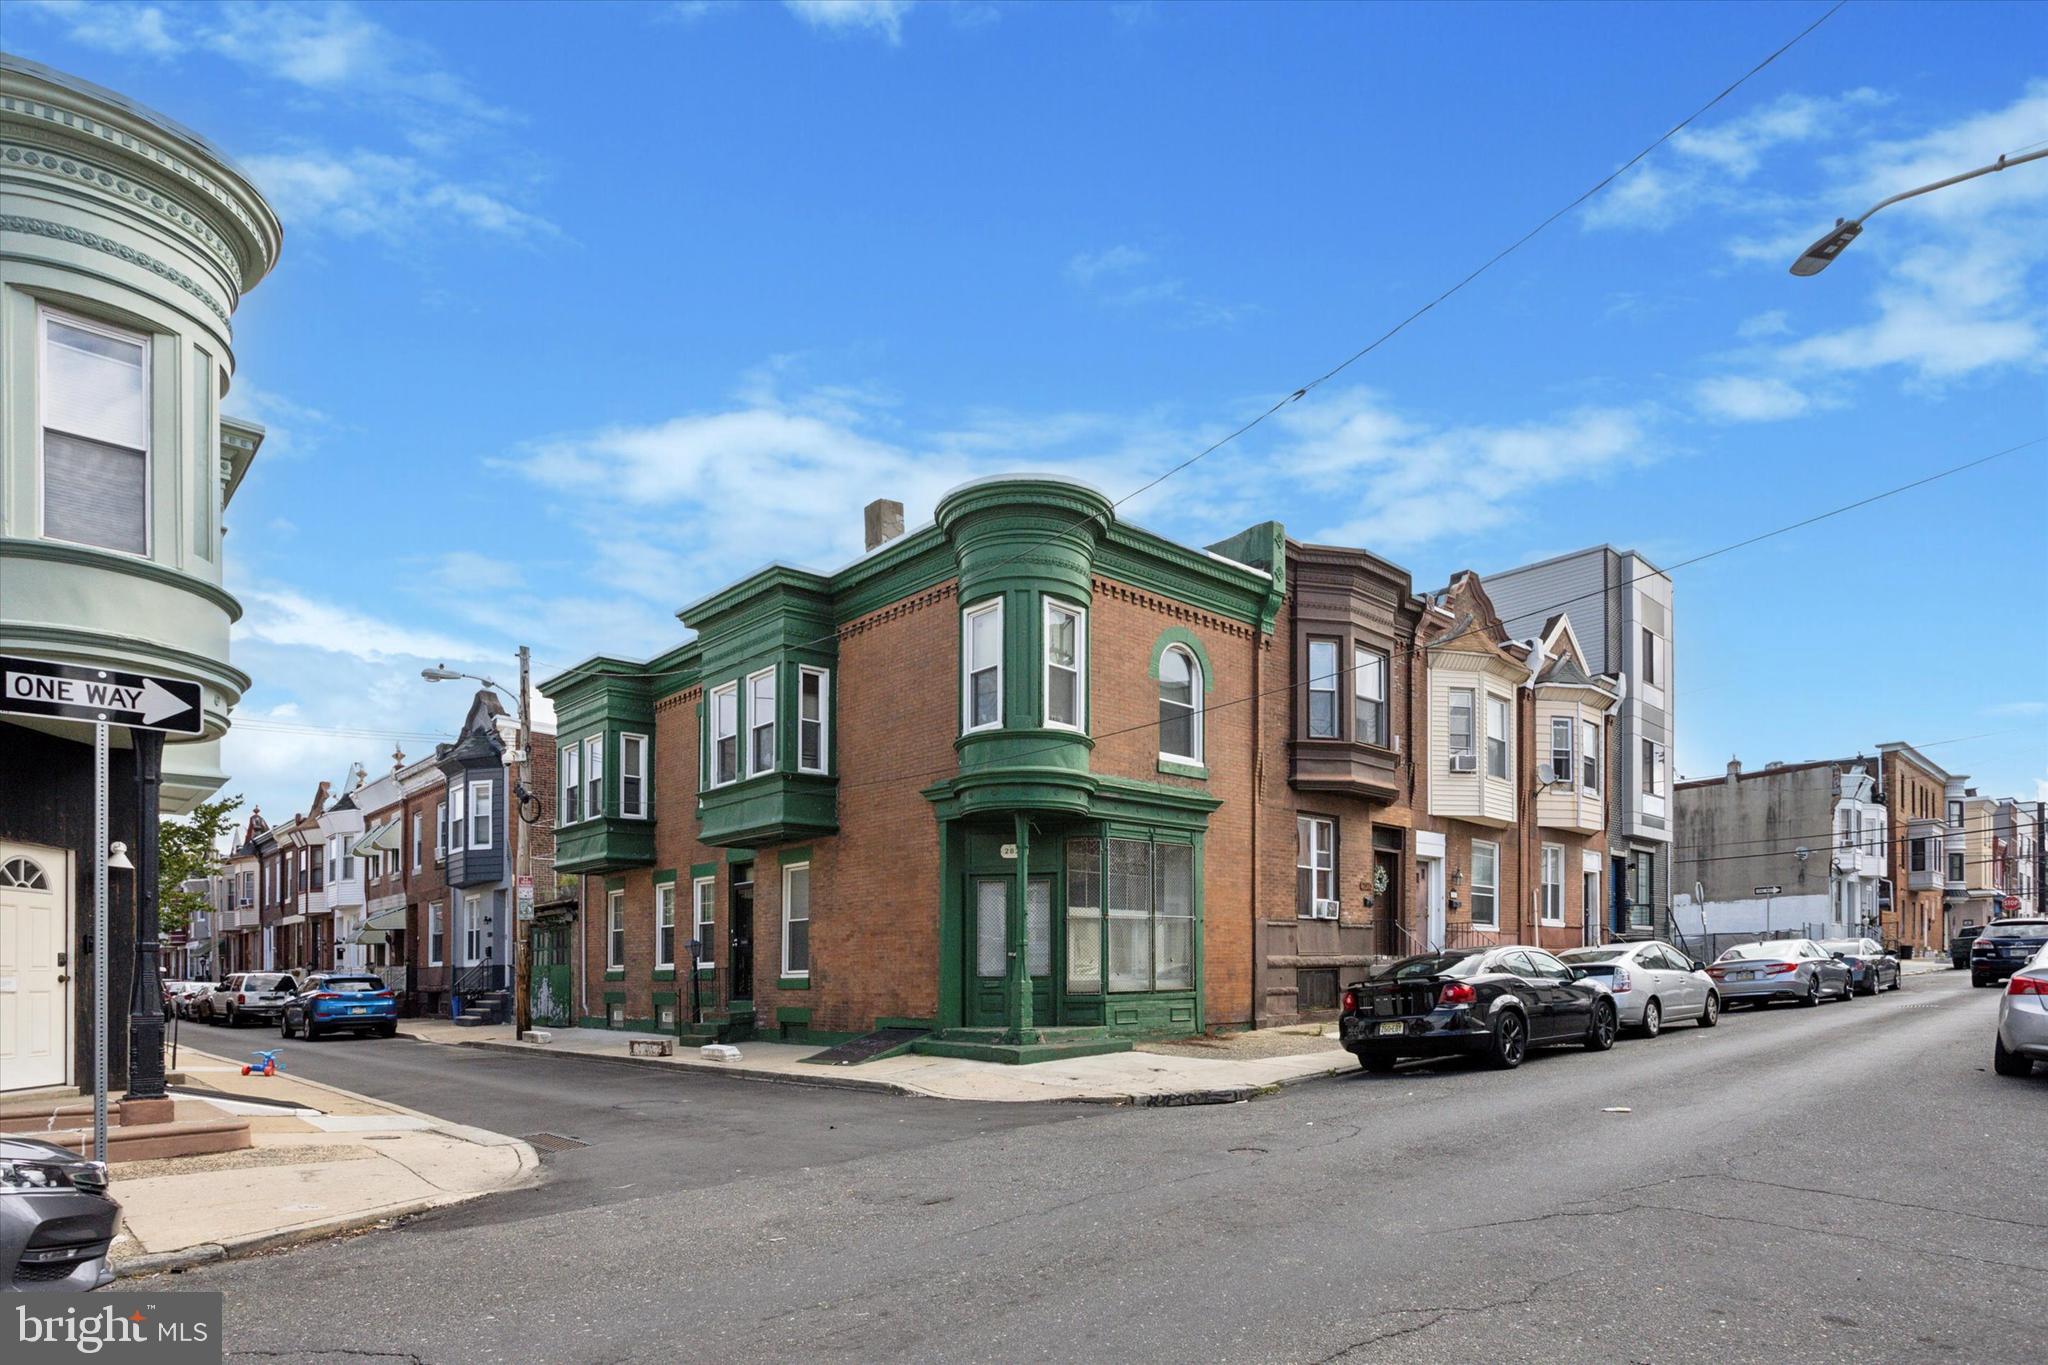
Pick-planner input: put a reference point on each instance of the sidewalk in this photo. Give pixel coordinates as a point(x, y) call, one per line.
point(1238, 1068)
point(324, 1161)
point(1923, 966)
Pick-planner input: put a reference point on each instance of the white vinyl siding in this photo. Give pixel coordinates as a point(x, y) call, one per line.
point(814, 695)
point(796, 920)
point(633, 776)
point(95, 423)
point(1066, 666)
point(981, 667)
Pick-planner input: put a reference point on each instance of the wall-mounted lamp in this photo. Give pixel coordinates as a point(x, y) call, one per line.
point(117, 857)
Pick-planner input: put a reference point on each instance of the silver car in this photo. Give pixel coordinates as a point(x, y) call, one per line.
point(1653, 984)
point(1795, 969)
point(246, 997)
point(2023, 1020)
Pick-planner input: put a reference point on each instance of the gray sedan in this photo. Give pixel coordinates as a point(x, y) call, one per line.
point(1780, 969)
point(1653, 983)
point(2023, 1020)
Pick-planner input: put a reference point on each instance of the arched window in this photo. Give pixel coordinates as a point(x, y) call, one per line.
point(24, 875)
point(1180, 705)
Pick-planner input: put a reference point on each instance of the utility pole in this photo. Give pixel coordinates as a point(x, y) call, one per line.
point(523, 888)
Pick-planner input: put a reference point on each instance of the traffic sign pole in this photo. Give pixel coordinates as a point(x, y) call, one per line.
point(99, 941)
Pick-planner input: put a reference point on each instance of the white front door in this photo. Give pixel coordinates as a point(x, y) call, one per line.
point(1434, 867)
point(35, 989)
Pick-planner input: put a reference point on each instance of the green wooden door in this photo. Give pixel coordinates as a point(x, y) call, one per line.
point(988, 904)
point(548, 1000)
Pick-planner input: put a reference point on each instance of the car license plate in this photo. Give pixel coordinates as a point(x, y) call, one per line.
point(355, 1009)
point(1391, 1028)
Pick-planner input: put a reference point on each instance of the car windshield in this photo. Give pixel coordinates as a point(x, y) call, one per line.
point(1582, 956)
point(351, 985)
point(2017, 928)
point(1842, 945)
point(1760, 952)
point(1430, 965)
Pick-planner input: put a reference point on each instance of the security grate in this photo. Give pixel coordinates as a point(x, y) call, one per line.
point(553, 1142)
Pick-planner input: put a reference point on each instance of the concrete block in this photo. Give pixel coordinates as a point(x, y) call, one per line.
point(650, 1047)
point(719, 1052)
point(539, 1035)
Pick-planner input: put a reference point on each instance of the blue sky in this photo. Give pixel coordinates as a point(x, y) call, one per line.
point(586, 310)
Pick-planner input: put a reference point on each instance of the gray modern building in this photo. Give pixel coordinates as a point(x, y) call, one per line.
point(1620, 608)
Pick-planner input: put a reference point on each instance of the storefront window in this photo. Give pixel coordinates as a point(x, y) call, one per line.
point(1130, 915)
point(1084, 916)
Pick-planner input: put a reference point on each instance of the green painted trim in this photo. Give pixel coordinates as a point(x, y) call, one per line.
point(665, 876)
point(615, 974)
point(793, 983)
point(792, 1014)
point(799, 853)
point(604, 844)
point(592, 1021)
point(660, 998)
point(1178, 769)
point(699, 871)
point(615, 996)
point(891, 1021)
point(736, 856)
point(707, 973)
point(612, 884)
point(664, 973)
point(1181, 635)
point(109, 561)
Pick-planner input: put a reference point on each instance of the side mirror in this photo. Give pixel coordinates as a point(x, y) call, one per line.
point(1578, 973)
point(1698, 965)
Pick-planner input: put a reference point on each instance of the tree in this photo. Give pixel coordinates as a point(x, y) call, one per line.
point(188, 847)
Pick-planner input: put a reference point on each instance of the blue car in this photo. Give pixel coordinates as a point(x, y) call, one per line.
point(329, 1002)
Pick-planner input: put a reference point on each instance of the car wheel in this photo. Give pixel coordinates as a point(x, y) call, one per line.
point(1976, 981)
point(387, 1030)
point(310, 1031)
point(1898, 981)
point(1600, 1033)
point(234, 1017)
point(2008, 1063)
point(284, 1026)
point(1812, 991)
point(1510, 1042)
point(1377, 1062)
point(1711, 1015)
point(1653, 1018)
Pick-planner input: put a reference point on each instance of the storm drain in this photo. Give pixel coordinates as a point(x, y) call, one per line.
point(553, 1142)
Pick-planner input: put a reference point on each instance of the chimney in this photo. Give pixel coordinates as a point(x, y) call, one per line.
point(1734, 770)
point(884, 518)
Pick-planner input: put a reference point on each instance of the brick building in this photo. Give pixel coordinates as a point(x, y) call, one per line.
point(1915, 795)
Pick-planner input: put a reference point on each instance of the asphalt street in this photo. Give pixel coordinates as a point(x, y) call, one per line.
point(1845, 1183)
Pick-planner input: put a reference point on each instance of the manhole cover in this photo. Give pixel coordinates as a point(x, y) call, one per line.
point(554, 1142)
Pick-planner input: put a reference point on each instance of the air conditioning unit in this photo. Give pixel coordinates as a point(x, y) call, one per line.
point(1464, 763)
point(1324, 910)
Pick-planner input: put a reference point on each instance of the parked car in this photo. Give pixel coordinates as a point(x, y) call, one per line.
point(2004, 947)
point(1653, 984)
point(56, 1219)
point(1494, 1003)
point(1871, 968)
point(327, 1002)
point(181, 996)
point(2022, 1037)
point(1959, 946)
point(247, 996)
point(1779, 969)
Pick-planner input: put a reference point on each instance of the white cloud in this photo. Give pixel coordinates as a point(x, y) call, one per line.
point(1770, 323)
point(1116, 277)
point(1088, 266)
point(145, 29)
point(1740, 398)
point(367, 193)
point(284, 616)
point(848, 16)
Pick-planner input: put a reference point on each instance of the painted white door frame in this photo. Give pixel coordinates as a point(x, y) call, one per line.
point(37, 978)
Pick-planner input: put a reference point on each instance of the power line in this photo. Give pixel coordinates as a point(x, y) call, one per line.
point(1298, 394)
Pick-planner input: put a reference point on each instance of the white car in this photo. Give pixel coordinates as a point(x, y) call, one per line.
point(247, 997)
point(1654, 984)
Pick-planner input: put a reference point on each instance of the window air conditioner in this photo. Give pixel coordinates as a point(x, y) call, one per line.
point(1464, 763)
point(1324, 910)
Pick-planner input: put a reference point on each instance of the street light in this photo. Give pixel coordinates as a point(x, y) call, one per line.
point(1817, 257)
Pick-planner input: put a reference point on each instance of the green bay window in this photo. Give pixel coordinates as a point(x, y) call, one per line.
point(761, 722)
point(572, 784)
point(1066, 657)
point(633, 776)
point(981, 654)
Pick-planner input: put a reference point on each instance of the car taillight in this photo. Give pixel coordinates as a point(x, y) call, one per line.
point(1780, 968)
point(380, 995)
point(324, 995)
point(241, 999)
point(1717, 972)
point(1622, 983)
point(1350, 1002)
point(1457, 993)
point(2022, 984)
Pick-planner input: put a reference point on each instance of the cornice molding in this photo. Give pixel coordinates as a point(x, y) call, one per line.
point(11, 222)
point(147, 196)
point(55, 551)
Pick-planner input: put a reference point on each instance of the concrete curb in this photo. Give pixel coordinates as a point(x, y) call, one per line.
point(1170, 1099)
point(205, 1253)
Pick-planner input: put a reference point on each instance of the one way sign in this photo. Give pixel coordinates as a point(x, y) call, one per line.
point(43, 687)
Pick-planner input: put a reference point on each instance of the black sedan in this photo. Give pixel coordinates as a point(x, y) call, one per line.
point(1494, 1003)
point(2005, 946)
point(56, 1221)
point(1871, 968)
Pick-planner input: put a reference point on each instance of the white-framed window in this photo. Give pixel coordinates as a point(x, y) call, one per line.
point(1589, 755)
point(572, 783)
point(1653, 768)
point(1315, 867)
point(418, 839)
point(981, 668)
point(1180, 705)
point(95, 400)
point(1486, 884)
point(1551, 893)
point(455, 809)
point(1561, 728)
point(1066, 665)
point(1322, 689)
point(437, 935)
point(796, 920)
point(704, 901)
point(593, 777)
point(472, 930)
point(1496, 736)
point(1955, 813)
point(1651, 673)
point(1464, 742)
point(615, 929)
point(440, 832)
point(665, 926)
point(813, 696)
point(1368, 696)
point(333, 858)
point(633, 776)
point(761, 722)
point(722, 708)
point(480, 812)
